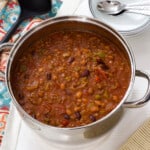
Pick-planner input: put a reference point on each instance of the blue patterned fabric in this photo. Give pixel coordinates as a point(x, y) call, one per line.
point(9, 14)
point(4, 96)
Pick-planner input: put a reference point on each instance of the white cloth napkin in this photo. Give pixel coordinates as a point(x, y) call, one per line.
point(69, 7)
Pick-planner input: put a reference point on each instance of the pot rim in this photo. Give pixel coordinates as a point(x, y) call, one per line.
point(78, 19)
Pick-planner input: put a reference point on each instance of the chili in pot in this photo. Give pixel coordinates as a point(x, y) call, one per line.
point(71, 78)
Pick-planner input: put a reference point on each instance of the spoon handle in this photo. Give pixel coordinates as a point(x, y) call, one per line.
point(141, 7)
point(140, 11)
point(140, 3)
point(11, 30)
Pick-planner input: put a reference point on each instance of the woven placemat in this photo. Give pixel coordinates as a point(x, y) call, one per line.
point(140, 139)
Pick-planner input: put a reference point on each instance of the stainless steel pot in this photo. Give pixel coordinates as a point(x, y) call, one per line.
point(76, 134)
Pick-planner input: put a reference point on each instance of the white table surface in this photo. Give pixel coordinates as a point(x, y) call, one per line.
point(19, 137)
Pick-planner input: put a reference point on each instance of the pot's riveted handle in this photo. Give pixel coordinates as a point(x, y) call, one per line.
point(146, 97)
point(4, 47)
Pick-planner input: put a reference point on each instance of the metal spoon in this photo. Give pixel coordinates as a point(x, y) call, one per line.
point(29, 8)
point(115, 7)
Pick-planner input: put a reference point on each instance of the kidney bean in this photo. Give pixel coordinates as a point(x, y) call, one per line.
point(48, 76)
point(71, 59)
point(92, 118)
point(66, 116)
point(102, 63)
point(78, 115)
point(85, 73)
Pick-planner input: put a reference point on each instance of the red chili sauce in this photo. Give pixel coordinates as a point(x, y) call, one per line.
point(70, 79)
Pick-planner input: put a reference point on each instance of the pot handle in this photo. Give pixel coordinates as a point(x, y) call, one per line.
point(3, 48)
point(146, 97)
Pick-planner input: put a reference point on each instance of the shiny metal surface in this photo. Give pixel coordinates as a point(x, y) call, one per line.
point(3, 47)
point(113, 7)
point(76, 134)
point(146, 97)
point(126, 23)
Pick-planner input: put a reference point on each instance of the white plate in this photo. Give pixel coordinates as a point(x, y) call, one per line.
point(126, 23)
